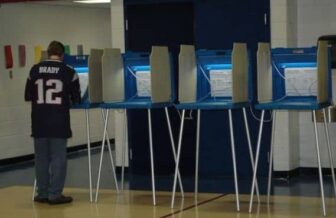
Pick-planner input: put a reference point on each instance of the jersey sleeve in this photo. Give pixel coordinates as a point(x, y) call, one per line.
point(29, 89)
point(75, 93)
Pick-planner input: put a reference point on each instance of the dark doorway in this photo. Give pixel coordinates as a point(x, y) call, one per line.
point(165, 24)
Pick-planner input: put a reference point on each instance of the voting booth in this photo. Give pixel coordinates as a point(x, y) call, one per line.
point(294, 75)
point(89, 70)
point(214, 76)
point(293, 79)
point(213, 80)
point(90, 77)
point(95, 98)
point(137, 81)
point(80, 63)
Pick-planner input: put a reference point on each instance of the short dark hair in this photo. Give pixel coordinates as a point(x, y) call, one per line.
point(55, 48)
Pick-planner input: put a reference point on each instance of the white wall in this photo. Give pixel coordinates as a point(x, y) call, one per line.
point(118, 41)
point(36, 24)
point(286, 138)
point(117, 24)
point(315, 18)
point(299, 23)
point(283, 23)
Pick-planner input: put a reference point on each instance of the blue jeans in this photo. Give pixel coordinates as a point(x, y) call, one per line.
point(50, 166)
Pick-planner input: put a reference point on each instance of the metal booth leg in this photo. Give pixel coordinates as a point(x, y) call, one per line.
point(197, 152)
point(110, 153)
point(234, 160)
point(173, 148)
point(254, 179)
point(270, 168)
point(319, 164)
point(102, 154)
point(330, 151)
point(151, 155)
point(177, 159)
point(123, 152)
point(89, 149)
point(250, 148)
point(34, 189)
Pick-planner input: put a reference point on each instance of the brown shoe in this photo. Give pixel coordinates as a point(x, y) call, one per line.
point(61, 200)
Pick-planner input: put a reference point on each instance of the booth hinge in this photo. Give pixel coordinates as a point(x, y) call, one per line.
point(265, 18)
point(130, 154)
point(126, 25)
point(268, 157)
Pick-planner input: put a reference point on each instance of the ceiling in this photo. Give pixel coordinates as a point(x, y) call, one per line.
point(57, 2)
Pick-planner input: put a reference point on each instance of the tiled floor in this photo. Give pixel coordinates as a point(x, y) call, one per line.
point(15, 202)
point(297, 197)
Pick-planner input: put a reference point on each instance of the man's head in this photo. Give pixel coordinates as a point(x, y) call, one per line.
point(56, 49)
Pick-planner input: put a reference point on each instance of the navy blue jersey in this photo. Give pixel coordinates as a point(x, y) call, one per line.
point(51, 87)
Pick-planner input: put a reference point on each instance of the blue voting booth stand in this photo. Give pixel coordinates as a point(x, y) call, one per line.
point(89, 70)
point(294, 79)
point(136, 64)
point(138, 81)
point(210, 64)
point(215, 81)
point(81, 63)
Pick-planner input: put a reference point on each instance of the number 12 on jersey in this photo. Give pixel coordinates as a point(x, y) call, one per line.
point(45, 93)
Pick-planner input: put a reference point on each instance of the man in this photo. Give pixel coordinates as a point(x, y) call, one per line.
point(51, 87)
